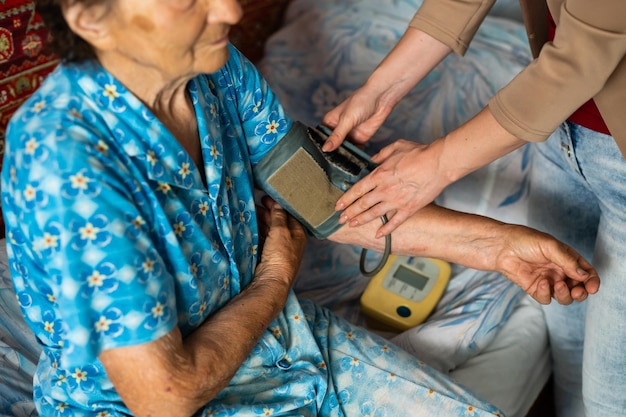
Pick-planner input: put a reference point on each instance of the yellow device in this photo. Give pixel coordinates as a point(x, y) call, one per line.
point(405, 291)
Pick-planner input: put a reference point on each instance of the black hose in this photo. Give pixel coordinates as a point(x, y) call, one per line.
point(383, 260)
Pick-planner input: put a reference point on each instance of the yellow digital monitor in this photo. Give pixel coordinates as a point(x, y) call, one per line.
point(405, 291)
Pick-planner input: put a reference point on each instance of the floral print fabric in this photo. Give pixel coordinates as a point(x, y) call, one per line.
point(113, 239)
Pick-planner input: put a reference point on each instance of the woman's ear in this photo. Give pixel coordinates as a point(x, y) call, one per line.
point(89, 22)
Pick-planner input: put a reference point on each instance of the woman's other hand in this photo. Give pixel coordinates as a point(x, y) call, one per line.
point(188, 372)
point(545, 267)
point(282, 240)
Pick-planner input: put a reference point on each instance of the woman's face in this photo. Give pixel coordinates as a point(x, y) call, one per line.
point(175, 37)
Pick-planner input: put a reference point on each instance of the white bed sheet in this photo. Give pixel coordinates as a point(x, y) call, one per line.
point(514, 368)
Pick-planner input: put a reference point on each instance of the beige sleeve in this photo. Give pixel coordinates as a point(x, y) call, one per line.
point(452, 22)
point(589, 45)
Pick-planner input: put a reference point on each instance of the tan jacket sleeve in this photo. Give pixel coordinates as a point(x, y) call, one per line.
point(453, 22)
point(588, 48)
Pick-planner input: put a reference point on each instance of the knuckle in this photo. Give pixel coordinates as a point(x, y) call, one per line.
point(378, 172)
point(363, 203)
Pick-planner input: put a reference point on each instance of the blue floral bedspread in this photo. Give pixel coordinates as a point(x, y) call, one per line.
point(19, 351)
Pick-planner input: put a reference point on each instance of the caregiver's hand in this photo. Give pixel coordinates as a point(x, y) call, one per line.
point(362, 114)
point(407, 179)
point(359, 116)
point(411, 175)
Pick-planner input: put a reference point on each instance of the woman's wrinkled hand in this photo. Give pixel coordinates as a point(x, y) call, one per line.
point(545, 267)
point(282, 240)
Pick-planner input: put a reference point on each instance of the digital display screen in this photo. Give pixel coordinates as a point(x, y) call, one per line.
point(410, 277)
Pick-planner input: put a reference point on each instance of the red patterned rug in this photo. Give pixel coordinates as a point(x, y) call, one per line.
point(24, 58)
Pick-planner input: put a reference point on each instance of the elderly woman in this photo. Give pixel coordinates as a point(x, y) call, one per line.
point(154, 284)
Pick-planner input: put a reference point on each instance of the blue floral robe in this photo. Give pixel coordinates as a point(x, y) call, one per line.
point(114, 239)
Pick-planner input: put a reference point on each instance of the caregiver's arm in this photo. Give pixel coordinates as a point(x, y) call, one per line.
point(411, 174)
point(543, 266)
point(362, 114)
point(173, 376)
point(437, 28)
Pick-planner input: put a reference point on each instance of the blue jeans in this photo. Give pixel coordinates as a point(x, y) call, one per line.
point(578, 194)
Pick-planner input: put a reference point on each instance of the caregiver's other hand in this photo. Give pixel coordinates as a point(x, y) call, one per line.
point(406, 180)
point(544, 267)
point(359, 117)
point(362, 114)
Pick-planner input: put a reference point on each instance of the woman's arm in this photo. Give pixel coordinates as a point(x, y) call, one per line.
point(173, 376)
point(537, 262)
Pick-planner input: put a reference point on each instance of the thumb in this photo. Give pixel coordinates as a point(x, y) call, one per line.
point(577, 268)
point(336, 138)
point(278, 216)
point(384, 153)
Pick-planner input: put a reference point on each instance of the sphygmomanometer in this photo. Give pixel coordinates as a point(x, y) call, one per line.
point(307, 182)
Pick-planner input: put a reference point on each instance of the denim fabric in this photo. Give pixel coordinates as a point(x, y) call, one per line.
point(578, 194)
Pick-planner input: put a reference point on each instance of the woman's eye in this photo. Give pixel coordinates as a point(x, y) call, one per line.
point(181, 4)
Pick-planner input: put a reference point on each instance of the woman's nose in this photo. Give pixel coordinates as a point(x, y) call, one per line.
point(224, 11)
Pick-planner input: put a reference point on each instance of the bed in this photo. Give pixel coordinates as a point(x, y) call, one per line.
point(485, 332)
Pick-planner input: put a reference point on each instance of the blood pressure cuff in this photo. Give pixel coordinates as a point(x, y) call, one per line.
point(306, 181)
